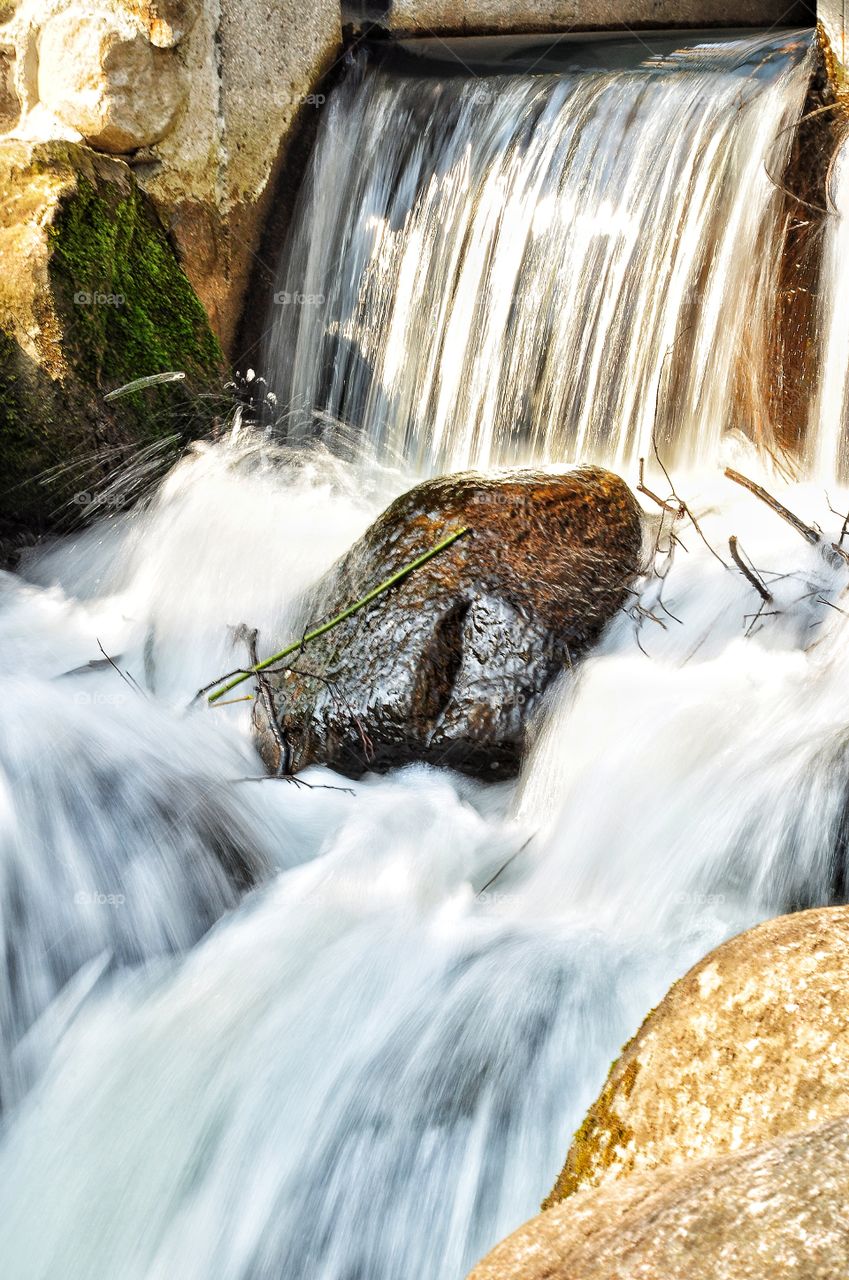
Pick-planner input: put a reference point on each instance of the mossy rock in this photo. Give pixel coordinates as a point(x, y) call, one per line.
point(92, 296)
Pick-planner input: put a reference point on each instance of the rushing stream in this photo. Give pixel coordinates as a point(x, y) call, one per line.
point(369, 1067)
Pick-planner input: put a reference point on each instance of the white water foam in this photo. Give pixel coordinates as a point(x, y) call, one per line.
point(372, 1065)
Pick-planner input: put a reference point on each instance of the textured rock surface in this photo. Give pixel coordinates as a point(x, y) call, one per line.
point(778, 1210)
point(752, 1044)
point(10, 103)
point(834, 18)
point(91, 296)
point(450, 665)
point(454, 17)
point(166, 22)
point(206, 94)
point(107, 81)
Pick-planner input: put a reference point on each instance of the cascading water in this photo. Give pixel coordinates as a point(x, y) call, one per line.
point(371, 1068)
point(830, 423)
point(546, 266)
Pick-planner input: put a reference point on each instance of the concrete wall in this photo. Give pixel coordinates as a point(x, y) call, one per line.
point(459, 17)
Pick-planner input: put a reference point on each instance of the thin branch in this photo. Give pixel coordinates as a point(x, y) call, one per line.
point(773, 613)
point(807, 532)
point(114, 665)
point(298, 782)
point(845, 519)
point(831, 605)
point(750, 575)
point(685, 508)
point(512, 858)
point(677, 510)
point(340, 700)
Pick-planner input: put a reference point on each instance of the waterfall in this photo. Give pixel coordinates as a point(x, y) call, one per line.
point(830, 416)
point(332, 1031)
point(543, 266)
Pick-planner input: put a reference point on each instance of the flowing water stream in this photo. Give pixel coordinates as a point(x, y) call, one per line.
point(369, 1067)
point(517, 267)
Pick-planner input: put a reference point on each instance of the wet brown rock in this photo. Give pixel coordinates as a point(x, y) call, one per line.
point(777, 1210)
point(752, 1044)
point(449, 666)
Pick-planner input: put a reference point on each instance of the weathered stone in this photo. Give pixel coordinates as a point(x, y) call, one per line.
point(166, 21)
point(10, 103)
point(208, 94)
point(752, 1044)
point(449, 667)
point(91, 296)
point(778, 1210)
point(103, 78)
point(450, 17)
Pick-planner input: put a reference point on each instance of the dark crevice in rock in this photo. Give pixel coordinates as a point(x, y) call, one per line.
point(440, 665)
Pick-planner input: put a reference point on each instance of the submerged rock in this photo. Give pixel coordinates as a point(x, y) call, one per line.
point(752, 1044)
point(775, 1210)
point(449, 666)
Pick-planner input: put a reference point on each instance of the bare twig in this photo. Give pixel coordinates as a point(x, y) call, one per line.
point(845, 519)
point(750, 575)
point(684, 507)
point(298, 782)
point(808, 533)
point(504, 866)
point(125, 676)
point(676, 510)
point(761, 613)
point(831, 605)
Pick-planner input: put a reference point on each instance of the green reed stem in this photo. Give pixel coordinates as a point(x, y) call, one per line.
point(340, 617)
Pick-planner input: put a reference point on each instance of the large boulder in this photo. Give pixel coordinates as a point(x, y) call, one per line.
point(752, 1044)
point(777, 1210)
point(92, 296)
point(450, 665)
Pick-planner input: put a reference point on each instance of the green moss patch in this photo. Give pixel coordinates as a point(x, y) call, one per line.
point(96, 299)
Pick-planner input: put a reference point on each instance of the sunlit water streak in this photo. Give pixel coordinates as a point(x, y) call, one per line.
point(527, 266)
point(370, 1069)
point(830, 417)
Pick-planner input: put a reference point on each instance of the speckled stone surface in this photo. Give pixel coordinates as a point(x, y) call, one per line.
point(449, 666)
point(452, 17)
point(775, 1212)
point(752, 1044)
